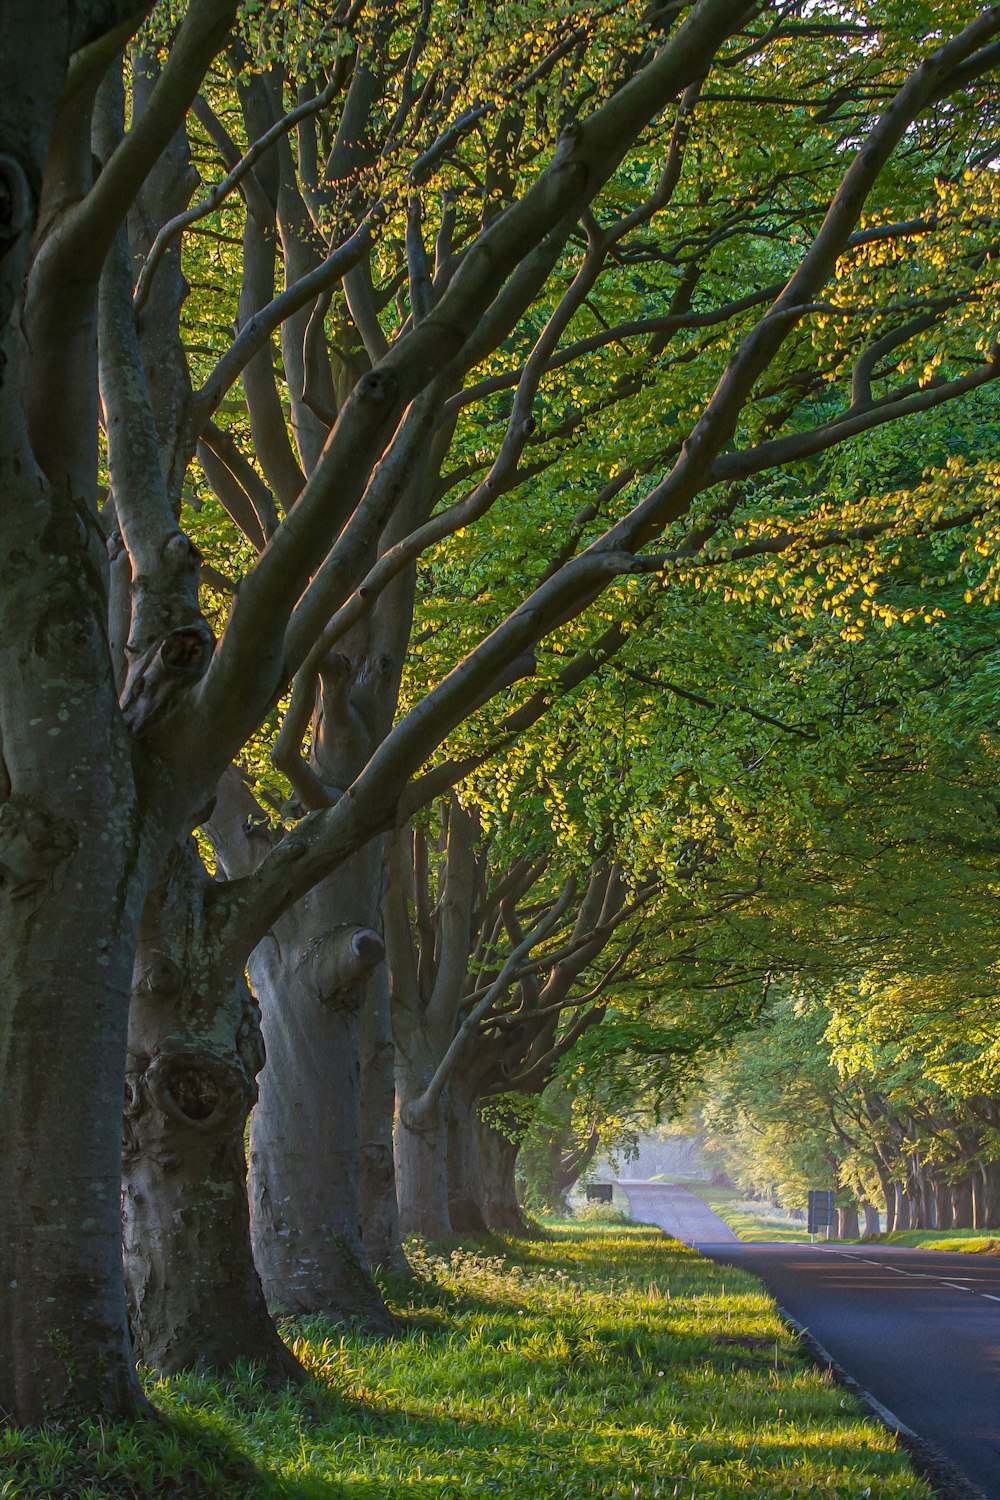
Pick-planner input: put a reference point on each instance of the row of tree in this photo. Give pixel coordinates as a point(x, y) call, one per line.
point(879, 1081)
point(442, 381)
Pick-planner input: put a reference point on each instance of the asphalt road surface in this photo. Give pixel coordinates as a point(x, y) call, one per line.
point(918, 1329)
point(680, 1213)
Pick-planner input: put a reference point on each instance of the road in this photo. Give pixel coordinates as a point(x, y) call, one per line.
point(919, 1329)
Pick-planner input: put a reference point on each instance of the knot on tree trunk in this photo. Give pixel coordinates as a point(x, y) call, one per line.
point(378, 385)
point(159, 974)
point(190, 1086)
point(338, 963)
point(15, 202)
point(181, 656)
point(34, 844)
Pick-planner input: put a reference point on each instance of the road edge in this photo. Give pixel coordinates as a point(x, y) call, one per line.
point(927, 1460)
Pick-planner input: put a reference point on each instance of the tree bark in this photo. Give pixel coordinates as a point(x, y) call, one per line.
point(917, 1192)
point(465, 1178)
point(428, 979)
point(421, 1148)
point(871, 1219)
point(305, 1132)
point(989, 1214)
point(943, 1207)
point(848, 1227)
point(902, 1214)
point(573, 1163)
point(195, 1049)
point(63, 1333)
point(498, 1155)
point(962, 1206)
point(379, 1206)
point(74, 865)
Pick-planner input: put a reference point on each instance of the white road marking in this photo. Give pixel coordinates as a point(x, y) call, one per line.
point(954, 1286)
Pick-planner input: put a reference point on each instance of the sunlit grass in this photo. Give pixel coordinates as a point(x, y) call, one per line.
point(973, 1240)
point(601, 1361)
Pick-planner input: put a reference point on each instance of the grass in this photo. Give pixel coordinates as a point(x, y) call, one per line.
point(751, 1221)
point(973, 1240)
point(602, 1361)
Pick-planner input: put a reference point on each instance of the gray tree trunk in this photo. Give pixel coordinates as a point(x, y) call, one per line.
point(379, 1206)
point(195, 1049)
point(498, 1155)
point(848, 1227)
point(902, 1215)
point(888, 1196)
point(872, 1222)
point(421, 1149)
point(420, 1140)
point(428, 980)
point(988, 1216)
point(943, 1208)
point(64, 884)
point(465, 1175)
point(962, 1206)
point(74, 864)
point(309, 977)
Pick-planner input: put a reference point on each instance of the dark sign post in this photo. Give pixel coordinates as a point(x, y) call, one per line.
point(821, 1212)
point(601, 1192)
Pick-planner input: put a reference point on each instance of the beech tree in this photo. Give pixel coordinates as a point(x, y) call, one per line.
point(119, 715)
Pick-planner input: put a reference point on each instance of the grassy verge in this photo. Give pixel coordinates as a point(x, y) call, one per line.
point(751, 1221)
point(945, 1239)
point(601, 1361)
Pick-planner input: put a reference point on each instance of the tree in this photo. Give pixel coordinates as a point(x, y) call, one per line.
point(117, 716)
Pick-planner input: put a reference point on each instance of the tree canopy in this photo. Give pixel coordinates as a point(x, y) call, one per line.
point(387, 408)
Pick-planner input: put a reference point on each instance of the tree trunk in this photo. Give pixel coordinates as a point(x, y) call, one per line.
point(379, 1207)
point(902, 1215)
point(943, 1212)
point(962, 1206)
point(498, 1155)
point(871, 1219)
point(309, 978)
point(428, 965)
point(310, 975)
point(74, 866)
point(848, 1227)
point(465, 1186)
point(989, 1217)
point(63, 1334)
point(573, 1163)
point(195, 1049)
point(920, 1216)
point(421, 1148)
point(888, 1197)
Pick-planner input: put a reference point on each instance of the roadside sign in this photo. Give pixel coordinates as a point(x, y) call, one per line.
point(601, 1192)
point(821, 1210)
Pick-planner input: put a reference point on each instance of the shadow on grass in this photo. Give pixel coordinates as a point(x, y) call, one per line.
point(144, 1460)
point(588, 1364)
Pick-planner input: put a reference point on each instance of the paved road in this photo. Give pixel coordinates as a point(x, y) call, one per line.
point(679, 1212)
point(919, 1329)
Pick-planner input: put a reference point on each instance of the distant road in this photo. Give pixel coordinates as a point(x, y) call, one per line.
point(679, 1212)
point(919, 1329)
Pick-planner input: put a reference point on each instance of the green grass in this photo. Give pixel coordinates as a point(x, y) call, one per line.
point(600, 1361)
point(973, 1240)
point(750, 1221)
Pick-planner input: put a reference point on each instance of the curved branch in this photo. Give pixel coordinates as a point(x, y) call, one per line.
point(221, 191)
point(85, 235)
